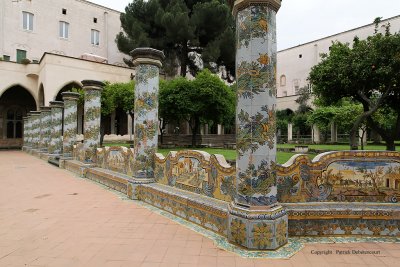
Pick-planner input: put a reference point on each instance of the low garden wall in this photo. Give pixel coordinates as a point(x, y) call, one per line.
point(337, 193)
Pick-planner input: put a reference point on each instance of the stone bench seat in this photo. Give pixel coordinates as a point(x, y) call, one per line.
point(343, 218)
point(208, 212)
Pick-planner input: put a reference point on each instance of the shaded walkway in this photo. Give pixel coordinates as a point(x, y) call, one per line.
point(49, 217)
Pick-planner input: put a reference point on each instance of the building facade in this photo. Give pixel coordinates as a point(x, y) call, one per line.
point(295, 63)
point(48, 47)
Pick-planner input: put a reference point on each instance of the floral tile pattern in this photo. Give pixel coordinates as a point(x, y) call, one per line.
point(146, 120)
point(256, 122)
point(35, 129)
point(55, 144)
point(70, 124)
point(92, 122)
point(45, 132)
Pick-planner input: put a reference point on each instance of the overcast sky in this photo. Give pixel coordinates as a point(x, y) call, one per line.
point(301, 21)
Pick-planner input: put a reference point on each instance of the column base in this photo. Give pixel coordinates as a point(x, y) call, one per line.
point(133, 185)
point(260, 228)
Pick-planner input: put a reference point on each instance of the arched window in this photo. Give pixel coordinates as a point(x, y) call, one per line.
point(14, 123)
point(283, 80)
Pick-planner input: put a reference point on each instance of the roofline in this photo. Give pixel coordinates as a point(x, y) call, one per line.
point(330, 36)
point(47, 53)
point(97, 5)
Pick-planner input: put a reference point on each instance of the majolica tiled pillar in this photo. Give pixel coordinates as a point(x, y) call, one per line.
point(25, 132)
point(70, 122)
point(256, 220)
point(148, 64)
point(45, 129)
point(55, 144)
point(35, 129)
point(29, 132)
point(92, 118)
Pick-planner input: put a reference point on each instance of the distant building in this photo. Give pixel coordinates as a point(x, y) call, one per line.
point(66, 41)
point(295, 63)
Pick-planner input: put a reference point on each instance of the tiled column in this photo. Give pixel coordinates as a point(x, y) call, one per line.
point(256, 220)
point(45, 128)
point(25, 133)
point(35, 129)
point(29, 136)
point(70, 122)
point(55, 144)
point(91, 124)
point(148, 63)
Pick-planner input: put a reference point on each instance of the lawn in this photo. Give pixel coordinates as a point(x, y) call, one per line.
point(335, 147)
point(229, 154)
point(282, 157)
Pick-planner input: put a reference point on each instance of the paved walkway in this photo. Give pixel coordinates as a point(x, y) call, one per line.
point(49, 217)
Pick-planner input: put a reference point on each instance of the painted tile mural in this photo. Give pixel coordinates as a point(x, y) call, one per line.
point(198, 172)
point(146, 120)
point(256, 120)
point(70, 122)
point(349, 176)
point(55, 144)
point(92, 122)
point(118, 159)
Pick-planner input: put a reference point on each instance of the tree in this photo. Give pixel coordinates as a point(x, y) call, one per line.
point(343, 115)
point(299, 118)
point(203, 100)
point(367, 73)
point(117, 95)
point(191, 33)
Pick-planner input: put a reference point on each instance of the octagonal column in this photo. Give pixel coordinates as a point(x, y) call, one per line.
point(92, 115)
point(148, 63)
point(55, 144)
point(25, 132)
point(256, 220)
point(29, 131)
point(35, 129)
point(70, 122)
point(45, 128)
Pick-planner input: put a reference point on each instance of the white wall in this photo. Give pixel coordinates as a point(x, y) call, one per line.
point(295, 68)
point(45, 34)
point(55, 71)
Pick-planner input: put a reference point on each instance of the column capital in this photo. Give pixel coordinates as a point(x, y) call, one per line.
point(56, 104)
point(93, 85)
point(147, 55)
point(238, 5)
point(70, 96)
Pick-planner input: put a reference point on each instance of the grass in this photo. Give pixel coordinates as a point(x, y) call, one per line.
point(229, 154)
point(335, 147)
point(282, 157)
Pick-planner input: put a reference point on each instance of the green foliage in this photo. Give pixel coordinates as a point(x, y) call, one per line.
point(183, 29)
point(81, 99)
point(367, 73)
point(299, 118)
point(205, 99)
point(118, 95)
point(343, 115)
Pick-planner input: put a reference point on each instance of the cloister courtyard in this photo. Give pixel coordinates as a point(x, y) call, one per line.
point(50, 217)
